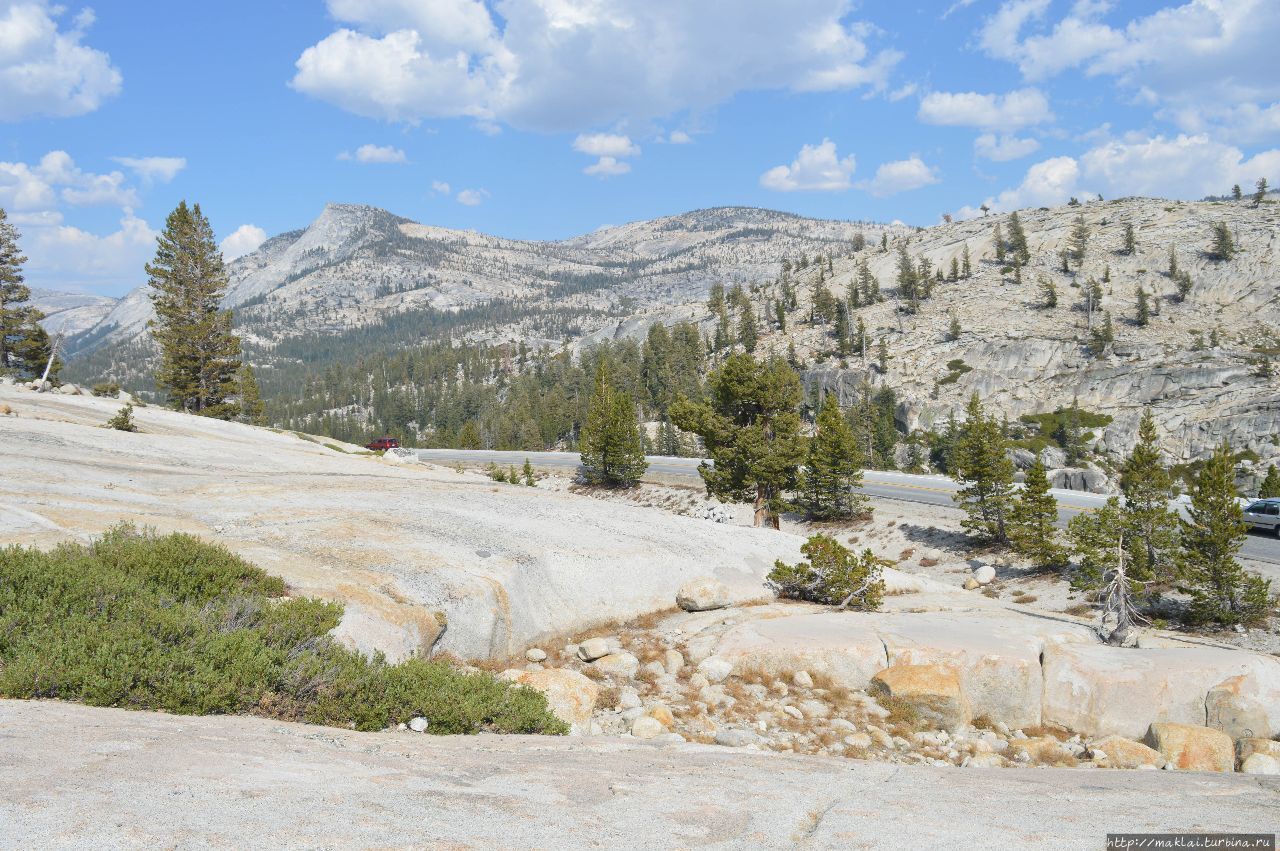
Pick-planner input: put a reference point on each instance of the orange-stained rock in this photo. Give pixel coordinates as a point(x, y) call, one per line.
point(932, 690)
point(1193, 748)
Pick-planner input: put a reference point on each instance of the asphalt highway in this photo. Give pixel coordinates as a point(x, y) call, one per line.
point(930, 490)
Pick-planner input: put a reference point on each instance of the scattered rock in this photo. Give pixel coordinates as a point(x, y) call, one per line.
point(793, 712)
point(628, 698)
point(983, 760)
point(802, 679)
point(69, 390)
point(1260, 763)
point(971, 584)
point(646, 727)
point(1192, 748)
point(703, 595)
point(1235, 707)
point(1246, 747)
point(861, 741)
point(534, 654)
point(731, 737)
point(933, 691)
point(623, 664)
point(418, 724)
point(660, 713)
point(1120, 752)
point(593, 648)
point(715, 669)
point(984, 574)
point(673, 660)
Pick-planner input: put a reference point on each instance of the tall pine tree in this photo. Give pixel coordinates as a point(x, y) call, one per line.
point(612, 447)
point(1031, 527)
point(24, 345)
point(986, 472)
point(833, 467)
point(199, 356)
point(1146, 485)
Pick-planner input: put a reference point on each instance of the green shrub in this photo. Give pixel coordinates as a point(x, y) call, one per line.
point(832, 575)
point(142, 621)
point(123, 420)
point(106, 388)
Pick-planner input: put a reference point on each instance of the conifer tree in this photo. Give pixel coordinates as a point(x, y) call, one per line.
point(529, 479)
point(1221, 590)
point(997, 237)
point(986, 472)
point(1018, 241)
point(1048, 293)
point(860, 339)
point(199, 356)
point(843, 343)
point(882, 356)
point(1031, 521)
point(954, 330)
point(908, 279)
point(832, 575)
point(1143, 314)
point(780, 311)
point(751, 431)
point(612, 448)
point(469, 436)
point(24, 345)
point(1270, 487)
point(1184, 285)
point(1173, 263)
point(955, 270)
point(748, 334)
point(1145, 483)
point(1261, 192)
point(833, 467)
point(966, 263)
point(1100, 339)
point(1078, 243)
point(1101, 540)
point(1236, 194)
point(1130, 242)
point(252, 410)
point(1224, 247)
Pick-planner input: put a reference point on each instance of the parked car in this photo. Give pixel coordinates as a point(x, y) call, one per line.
point(1263, 514)
point(383, 443)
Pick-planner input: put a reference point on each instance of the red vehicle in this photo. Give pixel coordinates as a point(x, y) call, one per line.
point(383, 443)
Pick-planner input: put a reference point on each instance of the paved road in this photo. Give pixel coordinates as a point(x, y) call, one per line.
point(931, 490)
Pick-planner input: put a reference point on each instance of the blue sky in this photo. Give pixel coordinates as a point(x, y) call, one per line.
point(548, 118)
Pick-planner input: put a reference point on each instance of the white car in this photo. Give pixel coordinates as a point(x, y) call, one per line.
point(1263, 514)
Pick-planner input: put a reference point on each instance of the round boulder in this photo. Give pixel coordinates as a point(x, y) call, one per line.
point(571, 697)
point(593, 648)
point(984, 575)
point(646, 727)
point(703, 595)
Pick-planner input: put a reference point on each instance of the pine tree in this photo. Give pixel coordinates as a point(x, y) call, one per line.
point(954, 330)
point(24, 345)
point(252, 410)
point(955, 270)
point(1143, 315)
point(612, 448)
point(882, 356)
point(860, 339)
point(1261, 192)
point(1032, 519)
point(1221, 590)
point(1100, 339)
point(833, 467)
point(1236, 194)
point(123, 419)
point(1130, 242)
point(832, 575)
point(843, 343)
point(1101, 541)
point(1145, 483)
point(1270, 487)
point(748, 334)
point(1224, 247)
point(1078, 243)
point(529, 479)
point(1048, 293)
point(908, 280)
point(751, 431)
point(986, 473)
point(1184, 285)
point(966, 263)
point(997, 237)
point(1173, 263)
point(469, 436)
point(781, 312)
point(1018, 241)
point(199, 356)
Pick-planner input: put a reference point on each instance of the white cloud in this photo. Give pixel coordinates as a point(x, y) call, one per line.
point(1003, 148)
point(56, 177)
point(679, 137)
point(472, 197)
point(380, 154)
point(607, 167)
point(901, 176)
point(153, 169)
point(606, 145)
point(817, 168)
point(1007, 112)
point(1047, 183)
point(243, 240)
point(45, 70)
point(65, 257)
point(562, 65)
point(439, 187)
point(1199, 62)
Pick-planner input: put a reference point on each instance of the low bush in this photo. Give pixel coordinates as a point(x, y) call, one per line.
point(106, 388)
point(832, 575)
point(123, 420)
point(141, 621)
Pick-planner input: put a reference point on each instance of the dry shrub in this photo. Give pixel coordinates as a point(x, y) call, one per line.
point(929, 562)
point(907, 554)
point(608, 696)
point(5, 410)
point(903, 718)
point(991, 591)
point(1080, 610)
point(1025, 599)
point(984, 722)
point(1051, 731)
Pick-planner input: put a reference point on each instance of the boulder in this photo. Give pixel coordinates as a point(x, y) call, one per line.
point(673, 661)
point(1247, 747)
point(1022, 458)
point(1126, 753)
point(984, 574)
point(1079, 479)
point(1235, 707)
point(646, 727)
point(715, 668)
point(1260, 763)
point(933, 691)
point(535, 654)
point(1099, 690)
point(841, 647)
point(571, 697)
point(593, 648)
point(1053, 458)
point(1192, 748)
point(623, 665)
point(731, 737)
point(69, 390)
point(802, 679)
point(983, 760)
point(660, 713)
point(703, 595)
point(418, 724)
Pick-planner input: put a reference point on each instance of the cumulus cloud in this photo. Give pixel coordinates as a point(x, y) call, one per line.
point(62, 256)
point(817, 168)
point(56, 178)
point(440, 187)
point(679, 137)
point(901, 176)
point(153, 169)
point(1199, 62)
point(1004, 147)
point(379, 154)
point(557, 65)
point(472, 197)
point(44, 68)
point(242, 241)
point(607, 167)
point(605, 145)
point(1007, 112)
